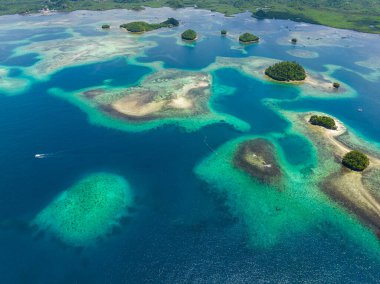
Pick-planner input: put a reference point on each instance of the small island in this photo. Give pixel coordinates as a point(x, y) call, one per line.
point(105, 27)
point(141, 27)
point(248, 38)
point(286, 71)
point(294, 40)
point(356, 161)
point(336, 85)
point(324, 121)
point(189, 35)
point(257, 158)
point(223, 32)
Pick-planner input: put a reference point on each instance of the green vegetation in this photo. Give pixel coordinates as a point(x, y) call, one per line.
point(294, 40)
point(223, 32)
point(248, 38)
point(140, 27)
point(355, 161)
point(336, 85)
point(286, 71)
point(356, 15)
point(171, 22)
point(189, 35)
point(322, 120)
point(105, 26)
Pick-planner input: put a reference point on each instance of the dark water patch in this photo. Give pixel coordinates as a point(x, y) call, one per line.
point(6, 50)
point(117, 71)
point(246, 102)
point(297, 150)
point(25, 60)
point(14, 72)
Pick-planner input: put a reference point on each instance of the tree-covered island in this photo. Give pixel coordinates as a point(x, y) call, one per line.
point(356, 161)
point(336, 85)
point(189, 35)
point(324, 121)
point(286, 71)
point(141, 27)
point(248, 38)
point(106, 27)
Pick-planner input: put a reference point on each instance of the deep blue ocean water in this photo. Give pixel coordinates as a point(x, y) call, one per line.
point(179, 230)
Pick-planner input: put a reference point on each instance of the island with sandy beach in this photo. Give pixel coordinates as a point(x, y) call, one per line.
point(314, 84)
point(168, 93)
point(354, 190)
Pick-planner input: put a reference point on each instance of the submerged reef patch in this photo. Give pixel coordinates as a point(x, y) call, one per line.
point(168, 93)
point(341, 184)
point(168, 96)
point(57, 54)
point(88, 210)
point(257, 158)
point(303, 53)
point(271, 215)
point(12, 85)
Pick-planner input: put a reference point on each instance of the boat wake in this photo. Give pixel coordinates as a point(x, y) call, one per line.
point(43, 156)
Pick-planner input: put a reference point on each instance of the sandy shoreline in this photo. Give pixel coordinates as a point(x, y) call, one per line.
point(346, 187)
point(165, 94)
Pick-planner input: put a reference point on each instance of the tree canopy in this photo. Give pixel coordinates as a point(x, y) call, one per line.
point(171, 22)
point(189, 35)
point(248, 37)
point(355, 161)
point(324, 121)
point(286, 71)
point(140, 26)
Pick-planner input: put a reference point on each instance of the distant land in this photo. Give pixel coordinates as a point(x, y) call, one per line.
point(363, 15)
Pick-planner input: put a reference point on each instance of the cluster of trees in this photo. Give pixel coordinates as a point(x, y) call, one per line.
point(286, 71)
point(106, 26)
point(355, 161)
point(189, 35)
point(248, 38)
point(324, 121)
point(336, 85)
point(140, 27)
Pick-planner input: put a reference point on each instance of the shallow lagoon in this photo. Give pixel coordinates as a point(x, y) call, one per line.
point(182, 228)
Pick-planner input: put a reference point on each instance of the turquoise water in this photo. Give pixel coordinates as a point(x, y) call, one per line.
point(184, 225)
